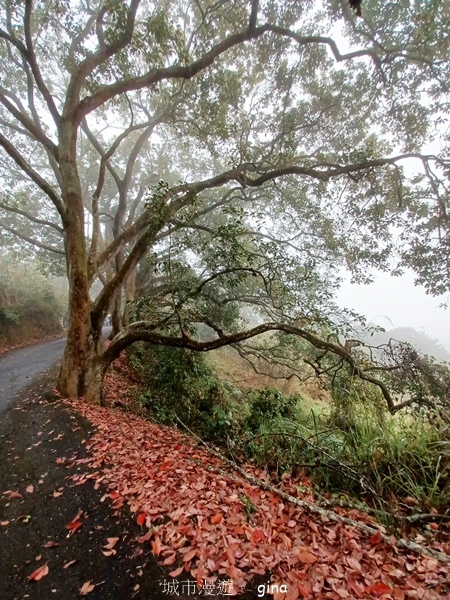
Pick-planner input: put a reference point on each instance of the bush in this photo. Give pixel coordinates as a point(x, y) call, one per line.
point(179, 384)
point(355, 447)
point(30, 307)
point(266, 405)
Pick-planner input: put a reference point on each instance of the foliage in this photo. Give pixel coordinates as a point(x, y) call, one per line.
point(179, 384)
point(353, 446)
point(267, 405)
point(31, 306)
point(215, 160)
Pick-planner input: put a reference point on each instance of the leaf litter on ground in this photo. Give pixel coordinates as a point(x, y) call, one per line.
point(194, 512)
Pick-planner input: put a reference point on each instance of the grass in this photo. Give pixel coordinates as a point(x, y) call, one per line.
point(349, 445)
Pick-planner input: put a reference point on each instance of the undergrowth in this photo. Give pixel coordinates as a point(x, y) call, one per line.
point(355, 447)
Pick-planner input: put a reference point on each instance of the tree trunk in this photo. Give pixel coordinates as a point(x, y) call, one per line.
point(116, 314)
point(82, 344)
point(95, 373)
point(130, 295)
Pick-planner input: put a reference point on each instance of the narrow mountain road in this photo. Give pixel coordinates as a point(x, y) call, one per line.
point(57, 523)
point(22, 367)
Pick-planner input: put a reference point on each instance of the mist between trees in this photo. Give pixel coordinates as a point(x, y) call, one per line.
point(192, 162)
point(32, 306)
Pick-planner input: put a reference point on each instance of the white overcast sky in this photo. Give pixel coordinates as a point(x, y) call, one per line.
point(398, 299)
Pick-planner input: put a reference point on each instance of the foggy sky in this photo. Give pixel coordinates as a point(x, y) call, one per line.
point(405, 304)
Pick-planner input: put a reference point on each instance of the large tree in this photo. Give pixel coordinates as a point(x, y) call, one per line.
point(221, 155)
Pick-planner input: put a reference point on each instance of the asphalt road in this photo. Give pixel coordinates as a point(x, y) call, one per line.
point(22, 367)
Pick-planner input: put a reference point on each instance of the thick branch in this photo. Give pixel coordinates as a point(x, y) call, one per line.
point(31, 58)
point(105, 51)
point(138, 332)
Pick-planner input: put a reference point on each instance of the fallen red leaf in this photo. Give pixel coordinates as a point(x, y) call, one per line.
point(376, 538)
point(170, 559)
point(258, 536)
point(73, 526)
point(304, 591)
point(189, 555)
point(111, 543)
point(156, 546)
point(216, 519)
point(378, 588)
point(166, 464)
point(306, 557)
point(314, 557)
point(39, 573)
point(70, 563)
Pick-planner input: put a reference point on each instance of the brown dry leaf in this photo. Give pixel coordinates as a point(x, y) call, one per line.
point(39, 573)
point(70, 563)
point(87, 588)
point(111, 543)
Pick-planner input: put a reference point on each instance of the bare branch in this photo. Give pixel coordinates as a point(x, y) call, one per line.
point(32, 174)
point(36, 132)
point(31, 58)
point(31, 217)
point(32, 241)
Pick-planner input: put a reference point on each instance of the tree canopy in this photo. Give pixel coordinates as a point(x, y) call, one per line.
point(222, 163)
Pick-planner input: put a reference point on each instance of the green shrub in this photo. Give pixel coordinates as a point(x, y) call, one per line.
point(181, 385)
point(266, 405)
point(30, 305)
point(355, 447)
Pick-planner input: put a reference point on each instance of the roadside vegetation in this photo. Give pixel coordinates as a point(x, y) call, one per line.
point(354, 450)
point(31, 305)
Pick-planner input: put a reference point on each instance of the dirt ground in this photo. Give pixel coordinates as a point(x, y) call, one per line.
point(40, 444)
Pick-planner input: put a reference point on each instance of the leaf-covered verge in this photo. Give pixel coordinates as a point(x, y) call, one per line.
point(31, 305)
point(203, 518)
point(348, 444)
